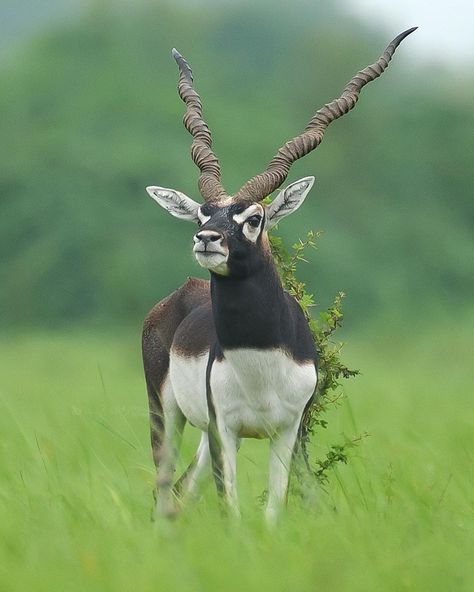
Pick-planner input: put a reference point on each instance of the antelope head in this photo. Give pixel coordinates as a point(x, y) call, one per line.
point(232, 234)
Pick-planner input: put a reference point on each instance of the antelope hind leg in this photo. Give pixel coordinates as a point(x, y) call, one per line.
point(173, 426)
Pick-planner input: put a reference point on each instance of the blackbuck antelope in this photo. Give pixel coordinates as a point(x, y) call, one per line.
point(234, 356)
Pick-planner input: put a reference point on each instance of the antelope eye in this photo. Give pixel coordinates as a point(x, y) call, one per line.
point(199, 223)
point(254, 221)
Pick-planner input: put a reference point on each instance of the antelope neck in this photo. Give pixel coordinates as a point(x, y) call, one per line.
point(249, 312)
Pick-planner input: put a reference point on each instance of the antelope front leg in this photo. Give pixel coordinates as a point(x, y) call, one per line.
point(281, 454)
point(223, 448)
point(187, 486)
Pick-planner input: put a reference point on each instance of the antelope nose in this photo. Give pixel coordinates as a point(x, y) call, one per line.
point(207, 236)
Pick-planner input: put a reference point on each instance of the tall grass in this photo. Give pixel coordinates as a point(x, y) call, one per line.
point(76, 478)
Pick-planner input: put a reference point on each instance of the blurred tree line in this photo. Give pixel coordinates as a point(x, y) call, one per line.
point(90, 116)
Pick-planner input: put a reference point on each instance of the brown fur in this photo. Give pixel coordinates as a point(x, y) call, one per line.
point(165, 317)
point(158, 333)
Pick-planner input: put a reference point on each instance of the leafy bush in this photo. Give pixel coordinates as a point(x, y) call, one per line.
point(331, 369)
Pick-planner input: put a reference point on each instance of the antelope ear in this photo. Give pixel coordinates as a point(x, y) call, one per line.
point(288, 200)
point(178, 205)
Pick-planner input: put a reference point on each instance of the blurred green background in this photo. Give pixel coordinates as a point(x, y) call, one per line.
point(89, 117)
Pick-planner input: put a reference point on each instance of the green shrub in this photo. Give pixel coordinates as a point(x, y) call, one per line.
point(331, 369)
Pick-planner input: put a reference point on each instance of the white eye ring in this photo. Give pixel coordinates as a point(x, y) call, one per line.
point(202, 218)
point(250, 231)
point(254, 221)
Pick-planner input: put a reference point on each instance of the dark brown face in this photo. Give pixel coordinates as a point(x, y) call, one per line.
point(229, 239)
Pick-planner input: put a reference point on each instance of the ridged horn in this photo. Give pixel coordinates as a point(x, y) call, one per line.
point(276, 172)
point(201, 148)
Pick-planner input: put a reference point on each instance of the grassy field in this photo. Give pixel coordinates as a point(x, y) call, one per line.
point(76, 477)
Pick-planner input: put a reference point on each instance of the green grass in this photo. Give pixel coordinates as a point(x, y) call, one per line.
point(76, 477)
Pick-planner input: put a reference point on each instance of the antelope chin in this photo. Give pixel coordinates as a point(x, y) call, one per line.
point(216, 262)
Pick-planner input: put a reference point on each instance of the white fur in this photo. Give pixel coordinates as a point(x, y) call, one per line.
point(188, 377)
point(258, 392)
point(199, 471)
point(212, 256)
point(216, 262)
point(249, 231)
point(288, 200)
point(281, 452)
point(202, 217)
point(178, 204)
point(250, 211)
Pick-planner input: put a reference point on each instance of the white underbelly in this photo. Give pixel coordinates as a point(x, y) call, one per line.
point(256, 393)
point(188, 380)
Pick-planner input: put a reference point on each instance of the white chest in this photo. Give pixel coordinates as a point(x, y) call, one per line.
point(259, 393)
point(255, 392)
